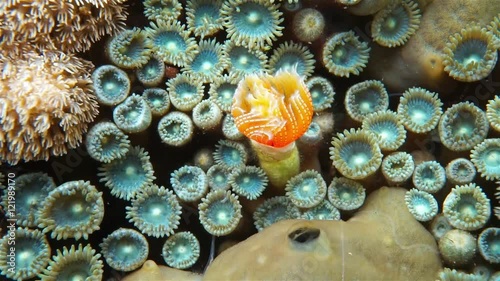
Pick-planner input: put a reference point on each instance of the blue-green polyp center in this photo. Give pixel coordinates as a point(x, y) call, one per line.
point(135, 48)
point(243, 60)
point(28, 251)
point(71, 210)
point(463, 125)
point(420, 204)
point(356, 154)
point(129, 173)
point(157, 98)
point(79, 270)
point(181, 249)
point(386, 130)
point(230, 156)
point(307, 188)
point(491, 158)
point(29, 198)
point(346, 193)
point(367, 100)
point(189, 181)
point(466, 207)
point(420, 111)
point(396, 23)
point(318, 95)
point(155, 210)
point(112, 84)
point(289, 60)
point(253, 20)
point(225, 93)
point(221, 212)
point(170, 41)
point(205, 61)
point(126, 249)
point(471, 51)
point(249, 182)
point(345, 55)
point(206, 14)
point(176, 128)
point(152, 70)
point(428, 175)
point(186, 91)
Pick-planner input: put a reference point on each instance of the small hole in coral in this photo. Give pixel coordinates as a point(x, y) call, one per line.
point(304, 235)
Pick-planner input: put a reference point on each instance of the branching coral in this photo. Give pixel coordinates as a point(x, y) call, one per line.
point(47, 103)
point(69, 26)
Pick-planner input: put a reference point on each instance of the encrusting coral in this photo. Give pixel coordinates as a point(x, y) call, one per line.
point(47, 103)
point(381, 235)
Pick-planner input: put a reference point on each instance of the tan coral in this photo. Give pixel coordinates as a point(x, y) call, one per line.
point(46, 103)
point(70, 26)
point(151, 271)
point(382, 242)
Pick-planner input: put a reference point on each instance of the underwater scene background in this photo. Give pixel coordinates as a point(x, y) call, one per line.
point(249, 140)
